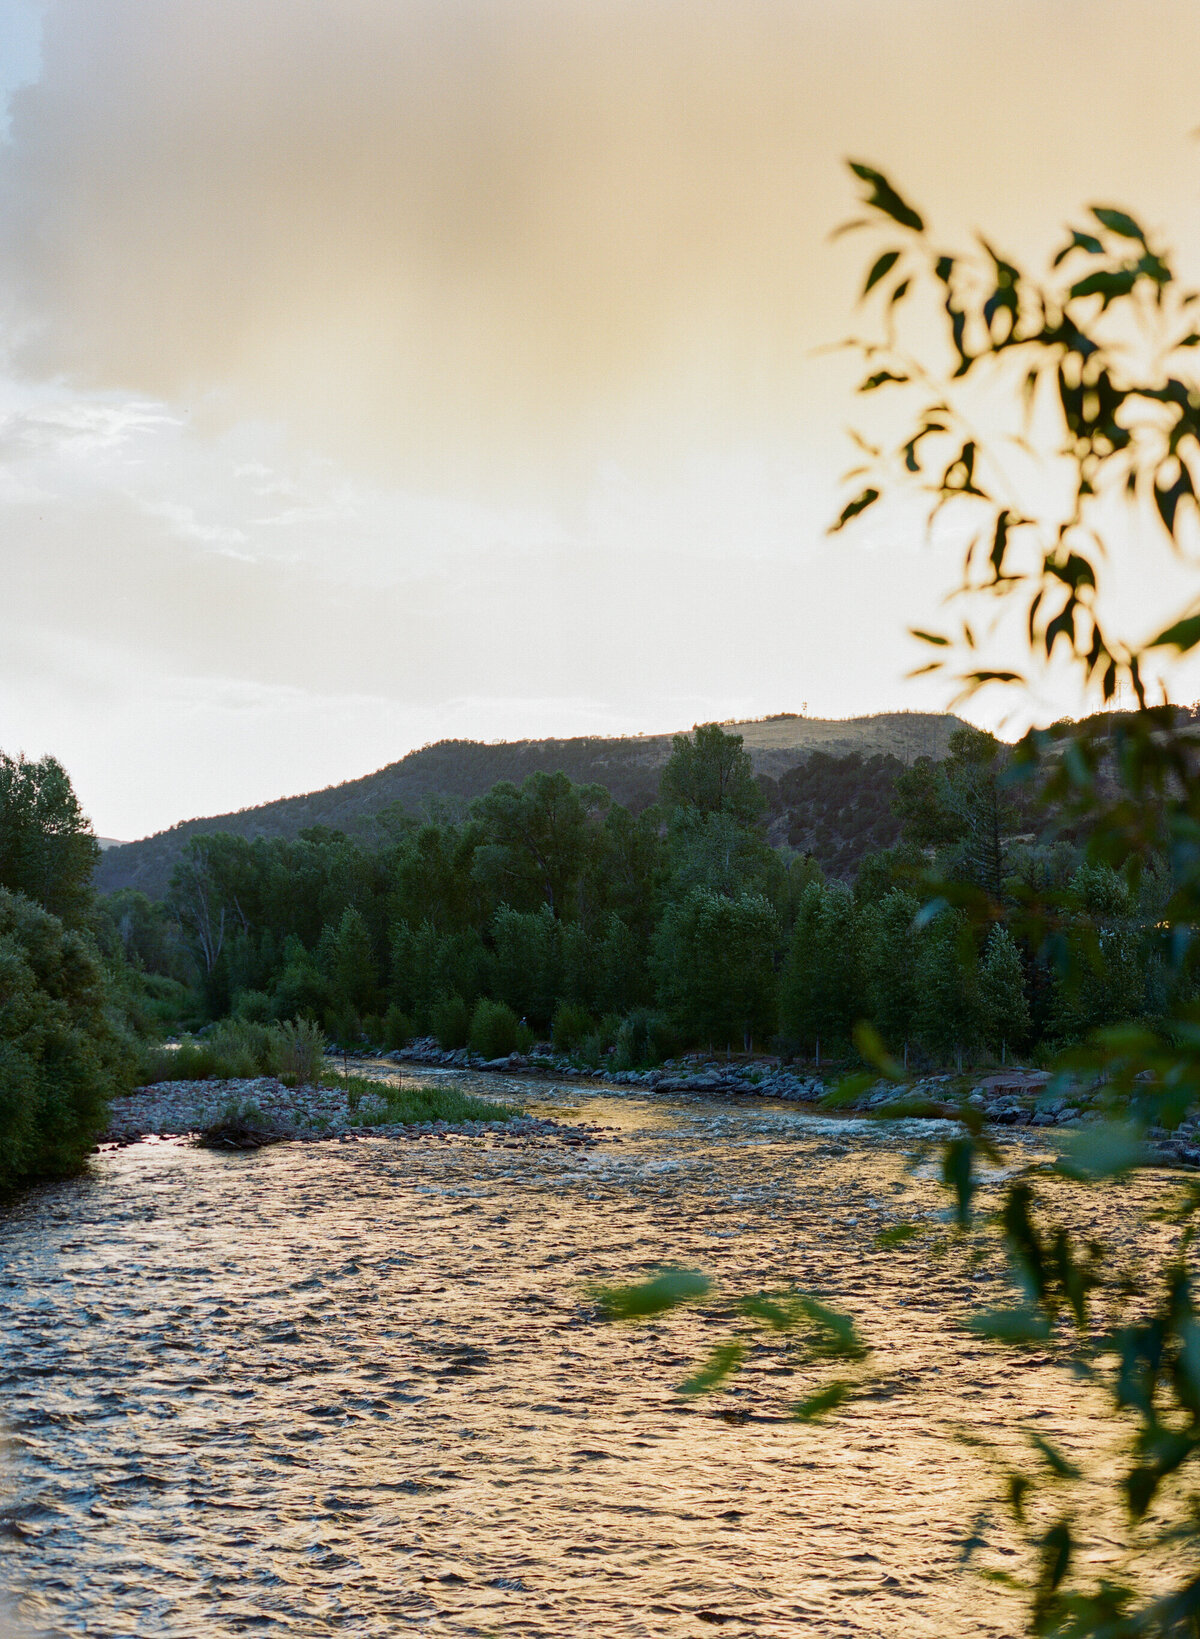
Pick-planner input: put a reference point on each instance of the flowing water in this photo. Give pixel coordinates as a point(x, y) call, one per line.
point(360, 1387)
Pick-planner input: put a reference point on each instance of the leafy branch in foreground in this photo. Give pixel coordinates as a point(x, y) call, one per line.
point(1081, 384)
point(822, 1334)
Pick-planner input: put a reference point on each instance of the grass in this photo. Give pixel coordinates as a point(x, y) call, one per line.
point(383, 1104)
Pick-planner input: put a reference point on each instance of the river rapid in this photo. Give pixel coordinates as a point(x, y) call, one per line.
point(360, 1387)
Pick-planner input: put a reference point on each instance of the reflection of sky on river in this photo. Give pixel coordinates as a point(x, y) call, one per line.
point(357, 1387)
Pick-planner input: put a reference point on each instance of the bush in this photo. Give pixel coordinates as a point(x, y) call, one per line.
point(450, 1021)
point(645, 1038)
point(572, 1026)
point(398, 1028)
point(254, 1005)
point(64, 1050)
point(239, 1050)
point(343, 1025)
point(493, 1029)
point(301, 1053)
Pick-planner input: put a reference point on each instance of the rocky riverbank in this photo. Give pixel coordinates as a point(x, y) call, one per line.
point(264, 1106)
point(1009, 1098)
point(1014, 1097)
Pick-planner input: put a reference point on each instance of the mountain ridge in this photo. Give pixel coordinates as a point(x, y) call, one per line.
point(450, 773)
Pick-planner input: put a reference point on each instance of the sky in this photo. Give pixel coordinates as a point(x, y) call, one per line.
point(393, 370)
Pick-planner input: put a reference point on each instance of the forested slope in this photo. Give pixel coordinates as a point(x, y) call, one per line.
point(452, 772)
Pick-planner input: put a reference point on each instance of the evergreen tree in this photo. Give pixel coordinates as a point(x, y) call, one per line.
point(949, 1014)
point(714, 959)
point(889, 953)
point(820, 992)
point(1004, 1004)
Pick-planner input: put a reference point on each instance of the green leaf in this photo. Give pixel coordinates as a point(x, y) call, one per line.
point(897, 1234)
point(870, 1044)
point(1024, 1325)
point(1109, 285)
point(883, 266)
point(848, 1091)
point(1183, 635)
point(881, 378)
point(929, 637)
point(853, 508)
point(652, 1297)
point(1105, 1150)
point(883, 197)
point(721, 1363)
point(1080, 241)
point(1118, 222)
point(781, 1317)
point(824, 1400)
point(1061, 1467)
point(835, 1334)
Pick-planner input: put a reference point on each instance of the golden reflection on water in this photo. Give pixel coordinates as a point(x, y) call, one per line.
point(358, 1387)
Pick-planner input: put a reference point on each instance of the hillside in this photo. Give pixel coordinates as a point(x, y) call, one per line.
point(452, 772)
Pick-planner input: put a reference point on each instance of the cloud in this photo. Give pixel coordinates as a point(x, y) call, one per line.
point(412, 225)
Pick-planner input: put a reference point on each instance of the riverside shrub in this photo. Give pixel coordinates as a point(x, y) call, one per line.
point(493, 1029)
point(572, 1027)
point(450, 1021)
point(64, 1048)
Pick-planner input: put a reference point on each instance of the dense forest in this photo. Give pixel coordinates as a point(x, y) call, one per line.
point(549, 910)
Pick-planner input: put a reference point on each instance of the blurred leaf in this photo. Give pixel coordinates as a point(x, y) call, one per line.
point(870, 1044)
point(1104, 1150)
point(1117, 222)
point(834, 1333)
point(848, 1091)
point(1061, 1467)
point(1183, 635)
point(823, 1401)
point(883, 197)
point(883, 266)
point(897, 1234)
point(721, 1363)
point(780, 1316)
point(853, 508)
point(1024, 1325)
point(652, 1297)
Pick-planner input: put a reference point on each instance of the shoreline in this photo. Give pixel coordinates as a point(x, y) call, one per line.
point(251, 1112)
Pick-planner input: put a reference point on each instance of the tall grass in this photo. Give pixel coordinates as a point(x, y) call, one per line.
point(381, 1103)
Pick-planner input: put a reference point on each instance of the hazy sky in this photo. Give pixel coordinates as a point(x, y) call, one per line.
point(382, 370)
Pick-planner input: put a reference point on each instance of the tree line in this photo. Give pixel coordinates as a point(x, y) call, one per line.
point(552, 911)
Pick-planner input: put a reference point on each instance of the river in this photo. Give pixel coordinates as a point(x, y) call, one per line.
point(360, 1387)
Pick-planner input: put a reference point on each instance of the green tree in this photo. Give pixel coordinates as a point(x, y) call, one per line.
point(537, 841)
point(820, 990)
point(63, 1052)
point(962, 807)
point(711, 773)
point(527, 963)
point(714, 960)
point(345, 956)
point(47, 849)
point(1003, 1001)
point(889, 950)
